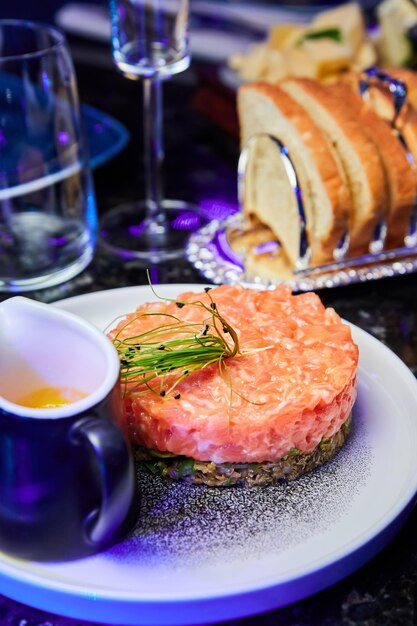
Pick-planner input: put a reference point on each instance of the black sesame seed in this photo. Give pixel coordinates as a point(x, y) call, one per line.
point(162, 393)
point(225, 329)
point(207, 289)
point(180, 304)
point(213, 306)
point(161, 348)
point(178, 396)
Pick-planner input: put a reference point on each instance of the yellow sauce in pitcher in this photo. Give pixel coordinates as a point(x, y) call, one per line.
point(50, 397)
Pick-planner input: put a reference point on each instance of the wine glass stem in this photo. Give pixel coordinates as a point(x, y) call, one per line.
point(153, 150)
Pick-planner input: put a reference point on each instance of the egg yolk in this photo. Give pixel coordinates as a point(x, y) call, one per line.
point(50, 397)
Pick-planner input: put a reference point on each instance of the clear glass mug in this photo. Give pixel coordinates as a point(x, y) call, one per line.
point(48, 219)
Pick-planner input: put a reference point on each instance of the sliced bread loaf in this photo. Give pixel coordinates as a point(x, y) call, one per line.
point(401, 174)
point(358, 152)
point(269, 195)
point(263, 255)
point(381, 100)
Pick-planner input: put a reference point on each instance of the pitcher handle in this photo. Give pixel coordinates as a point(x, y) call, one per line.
point(117, 476)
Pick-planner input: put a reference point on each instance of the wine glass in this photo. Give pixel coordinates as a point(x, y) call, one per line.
point(150, 42)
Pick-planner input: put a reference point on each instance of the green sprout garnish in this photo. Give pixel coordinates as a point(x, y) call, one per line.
point(327, 33)
point(160, 358)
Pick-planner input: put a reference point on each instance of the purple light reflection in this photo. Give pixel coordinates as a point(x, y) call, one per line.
point(3, 140)
point(154, 275)
point(63, 137)
point(224, 251)
point(186, 221)
point(6, 239)
point(46, 81)
point(217, 208)
point(57, 241)
point(125, 254)
point(268, 246)
point(137, 229)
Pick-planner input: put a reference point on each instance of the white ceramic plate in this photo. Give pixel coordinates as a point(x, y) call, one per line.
point(205, 555)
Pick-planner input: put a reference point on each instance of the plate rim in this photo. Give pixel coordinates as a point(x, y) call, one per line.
point(128, 598)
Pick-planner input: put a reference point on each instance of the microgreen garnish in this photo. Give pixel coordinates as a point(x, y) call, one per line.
point(173, 349)
point(159, 358)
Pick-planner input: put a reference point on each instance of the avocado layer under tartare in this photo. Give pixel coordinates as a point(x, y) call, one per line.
point(291, 466)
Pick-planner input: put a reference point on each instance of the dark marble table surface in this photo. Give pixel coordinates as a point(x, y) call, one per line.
point(200, 164)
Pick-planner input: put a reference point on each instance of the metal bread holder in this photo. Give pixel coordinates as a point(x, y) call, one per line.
point(208, 249)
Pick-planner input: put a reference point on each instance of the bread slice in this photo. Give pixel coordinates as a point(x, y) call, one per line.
point(401, 174)
point(401, 171)
point(358, 153)
point(381, 100)
point(269, 196)
point(263, 254)
point(407, 121)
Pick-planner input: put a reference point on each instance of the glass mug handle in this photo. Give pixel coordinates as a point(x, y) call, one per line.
point(117, 476)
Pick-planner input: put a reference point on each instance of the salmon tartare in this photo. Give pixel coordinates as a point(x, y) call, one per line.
point(278, 407)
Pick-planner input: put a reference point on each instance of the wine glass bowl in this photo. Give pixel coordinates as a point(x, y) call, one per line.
point(150, 42)
point(160, 45)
